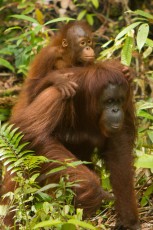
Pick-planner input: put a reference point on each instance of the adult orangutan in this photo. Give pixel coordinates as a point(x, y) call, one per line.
point(101, 115)
point(72, 46)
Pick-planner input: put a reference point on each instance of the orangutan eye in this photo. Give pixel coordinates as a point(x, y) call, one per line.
point(109, 101)
point(82, 43)
point(89, 42)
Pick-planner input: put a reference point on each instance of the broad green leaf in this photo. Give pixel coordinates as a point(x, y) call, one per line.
point(47, 187)
point(81, 14)
point(143, 13)
point(95, 3)
point(142, 35)
point(127, 29)
point(149, 42)
point(144, 201)
point(144, 161)
point(57, 169)
point(5, 63)
point(146, 115)
point(46, 207)
point(13, 28)
point(47, 223)
point(107, 43)
point(135, 19)
point(82, 224)
point(28, 10)
point(45, 196)
point(67, 19)
point(75, 163)
point(89, 18)
point(149, 190)
point(126, 54)
point(147, 52)
point(24, 17)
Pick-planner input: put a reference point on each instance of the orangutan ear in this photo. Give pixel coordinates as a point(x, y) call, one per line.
point(64, 43)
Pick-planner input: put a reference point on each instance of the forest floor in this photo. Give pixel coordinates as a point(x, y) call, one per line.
point(145, 213)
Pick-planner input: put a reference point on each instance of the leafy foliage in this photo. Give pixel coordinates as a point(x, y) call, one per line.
point(126, 38)
point(145, 141)
point(28, 41)
point(85, 14)
point(33, 207)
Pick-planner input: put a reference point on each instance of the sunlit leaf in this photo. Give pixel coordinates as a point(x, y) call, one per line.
point(13, 28)
point(147, 52)
point(149, 190)
point(146, 115)
point(24, 17)
point(81, 14)
point(149, 42)
point(57, 169)
point(127, 29)
point(28, 10)
point(126, 54)
point(135, 19)
point(47, 223)
point(142, 35)
point(143, 13)
point(95, 3)
point(67, 19)
point(47, 187)
point(89, 18)
point(144, 161)
point(5, 63)
point(81, 224)
point(144, 201)
point(107, 43)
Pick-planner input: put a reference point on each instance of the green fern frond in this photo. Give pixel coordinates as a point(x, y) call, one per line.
point(14, 153)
